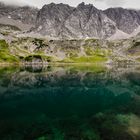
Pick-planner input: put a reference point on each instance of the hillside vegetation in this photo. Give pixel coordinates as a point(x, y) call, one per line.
point(34, 50)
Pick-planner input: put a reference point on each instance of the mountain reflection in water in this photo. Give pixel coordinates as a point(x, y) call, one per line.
point(69, 103)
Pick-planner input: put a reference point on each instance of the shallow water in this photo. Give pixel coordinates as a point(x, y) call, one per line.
point(69, 103)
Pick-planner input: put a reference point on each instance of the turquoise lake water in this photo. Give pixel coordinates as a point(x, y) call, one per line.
point(70, 103)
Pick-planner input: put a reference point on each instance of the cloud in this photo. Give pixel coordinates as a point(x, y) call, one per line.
point(101, 4)
point(135, 4)
point(40, 3)
point(113, 3)
point(15, 2)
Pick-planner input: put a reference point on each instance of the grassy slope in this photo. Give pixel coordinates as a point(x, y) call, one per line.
point(74, 51)
point(73, 55)
point(5, 55)
point(92, 55)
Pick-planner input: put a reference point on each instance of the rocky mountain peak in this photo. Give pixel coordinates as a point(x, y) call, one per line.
point(87, 8)
point(51, 17)
point(83, 5)
point(64, 21)
point(126, 20)
point(60, 20)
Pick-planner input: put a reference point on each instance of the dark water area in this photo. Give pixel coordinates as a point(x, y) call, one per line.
point(70, 103)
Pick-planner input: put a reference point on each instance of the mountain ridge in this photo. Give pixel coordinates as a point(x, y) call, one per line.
point(103, 23)
point(78, 24)
point(65, 22)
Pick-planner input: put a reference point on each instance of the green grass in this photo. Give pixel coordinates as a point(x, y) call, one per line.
point(86, 59)
point(90, 51)
point(138, 59)
point(5, 55)
point(90, 59)
point(43, 58)
point(91, 40)
point(21, 54)
point(93, 55)
point(3, 44)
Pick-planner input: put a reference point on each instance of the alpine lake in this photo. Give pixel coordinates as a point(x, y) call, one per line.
point(70, 102)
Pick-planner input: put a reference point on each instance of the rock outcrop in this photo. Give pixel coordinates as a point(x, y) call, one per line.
point(15, 15)
point(127, 20)
point(63, 21)
point(51, 17)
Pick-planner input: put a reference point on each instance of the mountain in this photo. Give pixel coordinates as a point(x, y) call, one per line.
point(60, 20)
point(127, 20)
point(18, 16)
point(82, 34)
point(88, 21)
point(51, 17)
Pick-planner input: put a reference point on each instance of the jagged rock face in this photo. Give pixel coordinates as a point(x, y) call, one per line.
point(51, 17)
point(87, 21)
point(125, 19)
point(68, 22)
point(63, 21)
point(24, 14)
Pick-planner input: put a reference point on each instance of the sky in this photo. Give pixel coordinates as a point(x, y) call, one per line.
point(101, 4)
